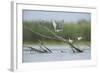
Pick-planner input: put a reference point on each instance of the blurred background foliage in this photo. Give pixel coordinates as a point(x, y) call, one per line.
point(71, 30)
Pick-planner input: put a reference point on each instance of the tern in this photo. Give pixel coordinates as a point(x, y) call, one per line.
point(55, 26)
point(71, 41)
point(79, 38)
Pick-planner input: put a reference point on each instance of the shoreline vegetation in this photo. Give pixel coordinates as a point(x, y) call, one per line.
point(70, 30)
point(58, 43)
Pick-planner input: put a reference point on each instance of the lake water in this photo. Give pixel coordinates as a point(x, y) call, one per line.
point(59, 53)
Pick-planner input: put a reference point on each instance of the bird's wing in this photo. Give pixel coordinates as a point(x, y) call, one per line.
point(54, 24)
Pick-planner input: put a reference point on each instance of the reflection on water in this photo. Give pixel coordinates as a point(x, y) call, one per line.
point(59, 53)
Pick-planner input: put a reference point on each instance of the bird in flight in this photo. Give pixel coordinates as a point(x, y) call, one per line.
point(55, 26)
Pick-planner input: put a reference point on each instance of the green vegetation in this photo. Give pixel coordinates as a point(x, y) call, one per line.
point(70, 30)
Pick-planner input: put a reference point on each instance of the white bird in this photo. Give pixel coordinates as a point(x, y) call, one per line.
point(79, 38)
point(55, 27)
point(58, 30)
point(71, 41)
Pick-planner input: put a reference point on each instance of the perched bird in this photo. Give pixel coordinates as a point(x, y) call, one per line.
point(58, 30)
point(71, 41)
point(79, 38)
